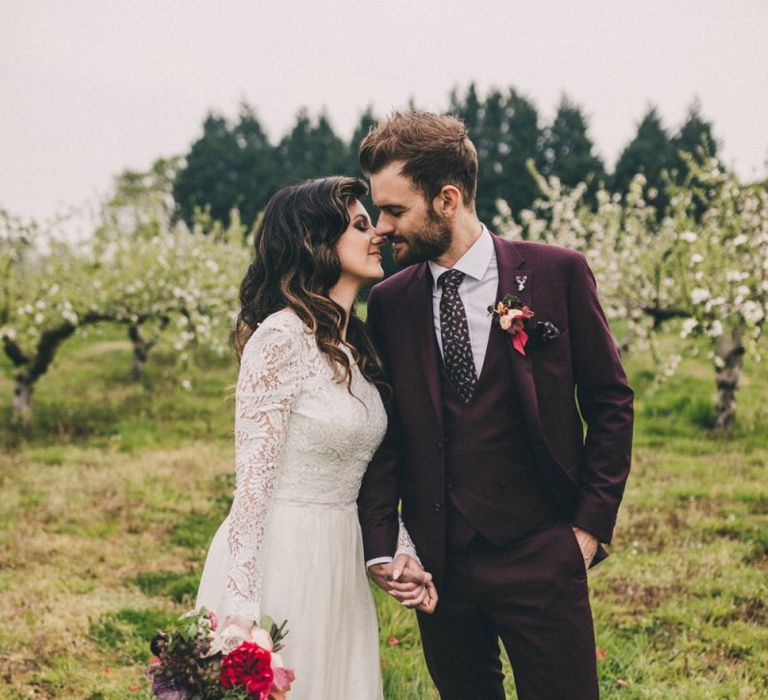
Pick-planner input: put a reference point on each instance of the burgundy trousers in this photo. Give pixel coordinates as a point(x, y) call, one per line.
point(532, 594)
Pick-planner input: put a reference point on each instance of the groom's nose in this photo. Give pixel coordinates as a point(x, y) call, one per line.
point(384, 227)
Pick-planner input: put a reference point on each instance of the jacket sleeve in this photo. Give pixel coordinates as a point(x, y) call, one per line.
point(380, 491)
point(606, 404)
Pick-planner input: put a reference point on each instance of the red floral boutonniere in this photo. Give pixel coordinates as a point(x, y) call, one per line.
point(511, 315)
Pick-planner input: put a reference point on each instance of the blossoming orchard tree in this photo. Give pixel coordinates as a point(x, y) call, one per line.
point(706, 265)
point(141, 209)
point(183, 281)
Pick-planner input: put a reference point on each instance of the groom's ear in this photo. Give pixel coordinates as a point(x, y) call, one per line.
point(447, 201)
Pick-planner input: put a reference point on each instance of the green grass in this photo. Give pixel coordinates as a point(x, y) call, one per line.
point(109, 497)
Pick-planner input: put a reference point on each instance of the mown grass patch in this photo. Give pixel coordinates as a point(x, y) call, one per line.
point(179, 586)
point(127, 632)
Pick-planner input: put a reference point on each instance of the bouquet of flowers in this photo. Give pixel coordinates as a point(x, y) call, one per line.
point(191, 662)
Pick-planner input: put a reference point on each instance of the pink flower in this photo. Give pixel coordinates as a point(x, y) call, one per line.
point(512, 320)
point(283, 677)
point(213, 621)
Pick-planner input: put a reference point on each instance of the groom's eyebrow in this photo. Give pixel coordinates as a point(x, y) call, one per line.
point(391, 207)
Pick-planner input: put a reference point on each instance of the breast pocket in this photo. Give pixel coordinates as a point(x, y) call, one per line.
point(544, 351)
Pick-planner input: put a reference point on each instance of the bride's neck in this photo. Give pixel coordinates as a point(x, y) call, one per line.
point(344, 293)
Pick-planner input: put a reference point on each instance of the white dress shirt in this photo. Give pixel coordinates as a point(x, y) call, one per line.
point(477, 291)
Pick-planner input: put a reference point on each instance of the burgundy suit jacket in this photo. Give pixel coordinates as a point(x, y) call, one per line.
point(578, 375)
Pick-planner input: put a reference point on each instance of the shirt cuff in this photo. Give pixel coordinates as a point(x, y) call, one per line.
point(379, 560)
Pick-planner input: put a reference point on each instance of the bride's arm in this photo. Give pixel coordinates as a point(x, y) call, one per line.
point(405, 544)
point(267, 386)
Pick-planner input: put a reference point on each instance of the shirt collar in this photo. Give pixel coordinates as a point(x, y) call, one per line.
point(474, 263)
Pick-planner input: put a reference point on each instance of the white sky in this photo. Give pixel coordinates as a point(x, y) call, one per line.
point(90, 87)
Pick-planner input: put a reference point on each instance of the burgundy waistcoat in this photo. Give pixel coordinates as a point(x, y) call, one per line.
point(491, 481)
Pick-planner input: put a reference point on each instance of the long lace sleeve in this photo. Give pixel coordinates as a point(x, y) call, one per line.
point(404, 542)
point(267, 386)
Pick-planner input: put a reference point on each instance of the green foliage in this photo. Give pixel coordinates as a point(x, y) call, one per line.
point(694, 140)
point(229, 166)
point(90, 399)
point(566, 149)
point(505, 129)
point(649, 153)
point(196, 530)
point(128, 632)
point(311, 150)
point(180, 587)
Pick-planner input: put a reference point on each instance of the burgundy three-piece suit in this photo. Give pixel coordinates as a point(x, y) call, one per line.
point(489, 488)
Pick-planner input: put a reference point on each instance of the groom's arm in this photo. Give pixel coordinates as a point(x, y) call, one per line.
point(605, 401)
point(401, 574)
point(380, 491)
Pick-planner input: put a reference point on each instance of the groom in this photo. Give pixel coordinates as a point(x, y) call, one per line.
point(504, 495)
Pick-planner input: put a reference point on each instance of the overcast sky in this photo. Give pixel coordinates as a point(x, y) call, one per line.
point(90, 87)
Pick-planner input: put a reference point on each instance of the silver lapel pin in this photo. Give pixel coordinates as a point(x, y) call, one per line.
point(521, 280)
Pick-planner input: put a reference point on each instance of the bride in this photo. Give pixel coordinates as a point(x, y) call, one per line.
point(309, 418)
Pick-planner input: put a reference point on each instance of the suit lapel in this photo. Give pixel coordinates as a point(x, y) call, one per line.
point(419, 295)
point(515, 278)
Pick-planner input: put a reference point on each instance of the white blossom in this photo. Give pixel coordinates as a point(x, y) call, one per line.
point(689, 325)
point(715, 329)
point(753, 312)
point(699, 295)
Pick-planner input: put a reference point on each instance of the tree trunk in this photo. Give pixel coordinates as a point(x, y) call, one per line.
point(22, 399)
point(731, 352)
point(141, 348)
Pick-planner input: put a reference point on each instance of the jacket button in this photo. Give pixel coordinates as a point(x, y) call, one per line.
point(503, 483)
point(438, 507)
point(449, 486)
point(438, 447)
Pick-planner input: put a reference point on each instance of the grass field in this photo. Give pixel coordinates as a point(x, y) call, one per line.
point(108, 500)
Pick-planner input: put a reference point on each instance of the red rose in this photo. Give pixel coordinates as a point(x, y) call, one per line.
point(248, 667)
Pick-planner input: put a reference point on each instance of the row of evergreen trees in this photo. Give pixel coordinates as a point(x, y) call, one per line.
point(234, 164)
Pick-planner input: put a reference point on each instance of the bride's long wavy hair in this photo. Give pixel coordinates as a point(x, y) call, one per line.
point(295, 265)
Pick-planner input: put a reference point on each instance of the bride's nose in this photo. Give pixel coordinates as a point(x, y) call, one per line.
point(378, 240)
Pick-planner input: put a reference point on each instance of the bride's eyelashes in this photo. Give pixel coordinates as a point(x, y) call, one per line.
point(364, 225)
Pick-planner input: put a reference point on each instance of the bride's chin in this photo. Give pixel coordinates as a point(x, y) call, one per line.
point(376, 276)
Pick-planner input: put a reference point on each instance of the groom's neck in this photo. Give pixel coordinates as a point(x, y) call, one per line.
point(465, 230)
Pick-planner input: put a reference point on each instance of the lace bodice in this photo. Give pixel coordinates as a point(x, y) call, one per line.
point(300, 439)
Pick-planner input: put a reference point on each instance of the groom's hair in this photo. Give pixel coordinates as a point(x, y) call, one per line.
point(435, 148)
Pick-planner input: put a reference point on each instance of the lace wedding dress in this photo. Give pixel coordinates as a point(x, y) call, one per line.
point(291, 546)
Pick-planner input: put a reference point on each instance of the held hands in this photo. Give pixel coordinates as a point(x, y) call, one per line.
point(587, 543)
point(407, 582)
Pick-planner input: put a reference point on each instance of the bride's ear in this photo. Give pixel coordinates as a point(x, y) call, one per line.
point(447, 201)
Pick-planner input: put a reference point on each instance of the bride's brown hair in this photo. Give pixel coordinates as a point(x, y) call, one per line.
point(295, 265)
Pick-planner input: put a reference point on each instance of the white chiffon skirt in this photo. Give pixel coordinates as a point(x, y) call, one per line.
point(314, 577)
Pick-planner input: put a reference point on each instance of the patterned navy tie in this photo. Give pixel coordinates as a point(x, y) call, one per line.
point(454, 331)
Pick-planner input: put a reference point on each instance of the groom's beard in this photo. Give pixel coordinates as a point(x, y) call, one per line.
point(429, 243)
